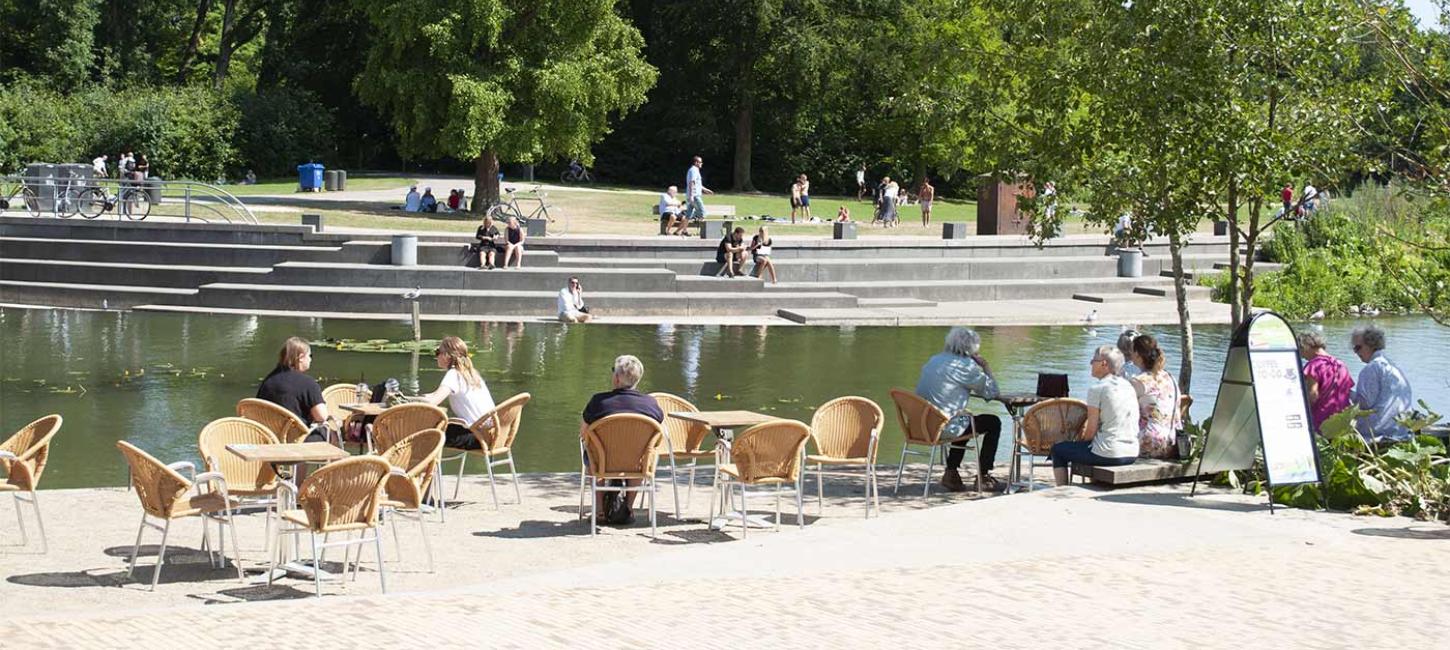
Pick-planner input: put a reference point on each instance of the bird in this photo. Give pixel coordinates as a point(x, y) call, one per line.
point(1091, 317)
point(105, 304)
point(1353, 309)
point(1318, 315)
point(1370, 311)
point(414, 294)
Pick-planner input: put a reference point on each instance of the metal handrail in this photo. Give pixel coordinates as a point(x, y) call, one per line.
point(192, 194)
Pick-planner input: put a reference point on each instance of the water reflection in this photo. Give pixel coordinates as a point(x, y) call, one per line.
point(156, 379)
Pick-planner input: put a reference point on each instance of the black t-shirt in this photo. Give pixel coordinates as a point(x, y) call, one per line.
point(729, 241)
point(516, 235)
point(622, 400)
point(291, 390)
point(486, 234)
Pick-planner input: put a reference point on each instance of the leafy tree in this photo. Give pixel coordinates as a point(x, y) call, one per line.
point(483, 79)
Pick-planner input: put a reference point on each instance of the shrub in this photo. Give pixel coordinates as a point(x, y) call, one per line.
point(280, 129)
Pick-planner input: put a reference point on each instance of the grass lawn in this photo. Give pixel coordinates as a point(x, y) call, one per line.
point(289, 185)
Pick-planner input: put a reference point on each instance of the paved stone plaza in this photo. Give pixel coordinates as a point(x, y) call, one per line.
point(1070, 567)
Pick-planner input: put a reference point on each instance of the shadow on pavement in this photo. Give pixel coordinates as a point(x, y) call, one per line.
point(1408, 532)
point(1182, 501)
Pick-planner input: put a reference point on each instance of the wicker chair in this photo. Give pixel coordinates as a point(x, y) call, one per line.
point(23, 457)
point(923, 425)
point(167, 495)
point(248, 483)
point(847, 431)
point(343, 497)
point(686, 440)
point(767, 454)
point(281, 422)
point(401, 421)
point(496, 433)
point(335, 396)
point(622, 447)
point(414, 462)
point(1046, 424)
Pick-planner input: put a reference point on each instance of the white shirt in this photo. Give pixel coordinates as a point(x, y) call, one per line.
point(1309, 192)
point(412, 203)
point(1124, 222)
point(890, 191)
point(860, 177)
point(1117, 405)
point(99, 164)
point(694, 183)
point(668, 204)
point(570, 303)
point(467, 403)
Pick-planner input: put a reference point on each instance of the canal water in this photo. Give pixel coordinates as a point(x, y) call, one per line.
point(156, 379)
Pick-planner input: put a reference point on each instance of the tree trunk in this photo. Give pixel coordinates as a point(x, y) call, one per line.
point(1185, 325)
point(1251, 239)
point(224, 44)
point(485, 180)
point(203, 7)
point(1236, 311)
point(744, 134)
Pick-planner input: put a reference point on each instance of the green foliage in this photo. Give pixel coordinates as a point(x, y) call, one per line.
point(66, 57)
point(280, 129)
point(185, 132)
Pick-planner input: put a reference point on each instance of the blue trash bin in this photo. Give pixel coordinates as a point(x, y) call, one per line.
point(309, 177)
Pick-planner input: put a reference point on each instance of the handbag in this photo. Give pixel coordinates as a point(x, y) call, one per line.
point(1051, 385)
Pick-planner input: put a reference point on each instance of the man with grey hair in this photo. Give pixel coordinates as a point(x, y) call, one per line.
point(948, 380)
point(1110, 435)
point(624, 398)
point(1382, 388)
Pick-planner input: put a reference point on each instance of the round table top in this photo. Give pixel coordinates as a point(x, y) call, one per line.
point(1020, 399)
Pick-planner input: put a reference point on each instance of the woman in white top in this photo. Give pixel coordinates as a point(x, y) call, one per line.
point(467, 395)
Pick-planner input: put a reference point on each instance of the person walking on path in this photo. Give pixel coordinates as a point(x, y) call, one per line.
point(888, 202)
point(805, 182)
point(695, 190)
point(1287, 195)
point(926, 194)
point(795, 198)
point(861, 182)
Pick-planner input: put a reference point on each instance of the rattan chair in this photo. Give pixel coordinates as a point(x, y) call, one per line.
point(23, 457)
point(343, 497)
point(846, 431)
point(401, 421)
point(165, 495)
point(686, 442)
point(414, 462)
point(248, 483)
point(496, 432)
point(923, 425)
point(767, 454)
point(335, 396)
point(1046, 424)
point(622, 447)
point(281, 422)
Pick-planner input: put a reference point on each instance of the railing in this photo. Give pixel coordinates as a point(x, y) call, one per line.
point(185, 201)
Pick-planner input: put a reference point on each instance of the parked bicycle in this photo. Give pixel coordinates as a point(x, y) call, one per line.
point(19, 196)
point(132, 202)
point(556, 220)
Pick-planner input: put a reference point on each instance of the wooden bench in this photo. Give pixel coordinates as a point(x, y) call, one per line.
point(1145, 470)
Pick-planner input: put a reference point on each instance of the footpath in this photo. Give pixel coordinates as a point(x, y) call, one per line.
point(1067, 567)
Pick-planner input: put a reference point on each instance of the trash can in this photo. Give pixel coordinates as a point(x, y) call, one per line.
point(1130, 262)
point(329, 180)
point(405, 250)
point(341, 179)
point(309, 177)
point(40, 178)
point(153, 189)
point(1220, 228)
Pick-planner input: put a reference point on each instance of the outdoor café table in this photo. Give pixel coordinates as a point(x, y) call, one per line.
point(364, 408)
point(723, 424)
point(1017, 405)
point(292, 455)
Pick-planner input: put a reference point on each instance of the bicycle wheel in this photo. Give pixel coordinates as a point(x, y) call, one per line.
point(558, 220)
point(90, 202)
point(137, 204)
point(67, 203)
point(32, 202)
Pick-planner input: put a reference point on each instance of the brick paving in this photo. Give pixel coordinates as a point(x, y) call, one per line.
point(1068, 567)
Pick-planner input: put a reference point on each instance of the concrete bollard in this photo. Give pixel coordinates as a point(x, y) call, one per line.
point(715, 229)
point(538, 227)
point(314, 220)
point(405, 250)
point(843, 230)
point(954, 230)
point(341, 179)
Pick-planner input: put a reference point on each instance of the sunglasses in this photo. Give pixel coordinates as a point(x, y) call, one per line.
point(1357, 347)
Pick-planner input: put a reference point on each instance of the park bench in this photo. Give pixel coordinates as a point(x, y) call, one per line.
point(714, 210)
point(1145, 470)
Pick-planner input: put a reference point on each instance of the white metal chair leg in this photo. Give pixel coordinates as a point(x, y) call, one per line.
point(136, 548)
point(382, 570)
point(492, 486)
point(800, 509)
point(593, 508)
point(437, 490)
point(20, 519)
point(899, 467)
point(160, 556)
point(653, 492)
point(462, 461)
point(744, 513)
point(930, 467)
point(317, 566)
point(690, 489)
point(236, 546)
point(777, 506)
point(39, 522)
point(820, 488)
point(675, 485)
point(514, 473)
point(427, 545)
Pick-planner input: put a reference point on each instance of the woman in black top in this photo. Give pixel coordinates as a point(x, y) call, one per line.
point(289, 387)
point(731, 252)
point(487, 245)
point(760, 252)
point(513, 244)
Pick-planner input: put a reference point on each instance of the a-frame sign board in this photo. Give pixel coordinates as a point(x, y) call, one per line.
point(1262, 404)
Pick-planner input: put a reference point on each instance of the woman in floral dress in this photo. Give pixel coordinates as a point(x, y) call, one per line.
point(1158, 396)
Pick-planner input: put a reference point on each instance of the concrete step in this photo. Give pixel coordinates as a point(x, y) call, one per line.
point(895, 302)
point(161, 231)
point(151, 252)
point(92, 296)
point(872, 247)
point(1166, 291)
point(974, 290)
point(308, 299)
point(717, 283)
point(125, 273)
point(542, 278)
point(431, 253)
point(1259, 267)
point(1103, 298)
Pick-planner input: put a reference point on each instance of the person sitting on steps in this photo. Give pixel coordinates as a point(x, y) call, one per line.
point(731, 253)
